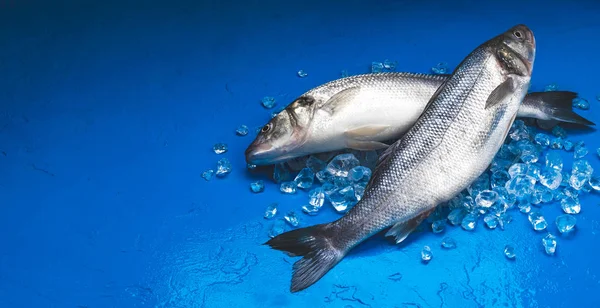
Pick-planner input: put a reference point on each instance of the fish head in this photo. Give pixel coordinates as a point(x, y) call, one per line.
point(515, 49)
point(280, 139)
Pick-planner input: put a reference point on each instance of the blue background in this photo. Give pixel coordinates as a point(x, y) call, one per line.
point(109, 111)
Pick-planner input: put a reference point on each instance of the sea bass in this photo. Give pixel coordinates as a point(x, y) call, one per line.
point(363, 112)
point(449, 146)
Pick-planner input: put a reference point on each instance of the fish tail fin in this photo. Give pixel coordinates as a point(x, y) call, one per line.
point(314, 244)
point(559, 107)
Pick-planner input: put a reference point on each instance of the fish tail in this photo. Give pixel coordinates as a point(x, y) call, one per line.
point(315, 245)
point(559, 107)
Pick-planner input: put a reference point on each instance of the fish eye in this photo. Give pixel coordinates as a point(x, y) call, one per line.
point(518, 34)
point(266, 128)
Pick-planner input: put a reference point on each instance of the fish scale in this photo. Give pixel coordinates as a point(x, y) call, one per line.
point(448, 147)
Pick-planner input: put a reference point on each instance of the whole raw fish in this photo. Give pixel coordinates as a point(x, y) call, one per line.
point(364, 111)
point(449, 146)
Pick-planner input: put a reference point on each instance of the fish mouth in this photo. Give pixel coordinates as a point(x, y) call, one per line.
point(258, 154)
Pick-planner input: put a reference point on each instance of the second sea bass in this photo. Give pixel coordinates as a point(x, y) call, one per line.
point(364, 111)
point(449, 146)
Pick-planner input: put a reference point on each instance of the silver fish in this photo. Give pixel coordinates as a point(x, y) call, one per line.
point(363, 112)
point(449, 146)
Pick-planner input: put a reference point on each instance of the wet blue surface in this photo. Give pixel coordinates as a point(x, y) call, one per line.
point(108, 116)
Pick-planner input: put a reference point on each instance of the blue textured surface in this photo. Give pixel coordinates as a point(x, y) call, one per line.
point(109, 112)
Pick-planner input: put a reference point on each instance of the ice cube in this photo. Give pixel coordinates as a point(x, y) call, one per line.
point(268, 102)
point(549, 242)
point(297, 163)
point(359, 191)
point(310, 209)
point(556, 143)
point(559, 132)
point(281, 173)
point(509, 251)
point(551, 87)
point(376, 67)
point(542, 139)
point(324, 176)
point(554, 161)
point(499, 178)
point(292, 219)
point(242, 130)
point(271, 211)
point(220, 148)
point(277, 228)
point(302, 74)
point(551, 178)
point(317, 197)
point(524, 206)
point(570, 205)
point(491, 221)
point(582, 166)
point(594, 182)
point(426, 254)
point(481, 183)
point(565, 223)
point(581, 103)
point(360, 174)
point(580, 151)
point(568, 145)
point(223, 167)
point(390, 65)
point(517, 169)
point(208, 174)
point(315, 164)
point(440, 68)
point(341, 164)
point(578, 180)
point(448, 243)
point(288, 187)
point(519, 131)
point(258, 186)
point(469, 221)
point(537, 221)
point(504, 220)
point(305, 178)
point(342, 199)
point(520, 185)
point(456, 216)
point(438, 226)
point(486, 198)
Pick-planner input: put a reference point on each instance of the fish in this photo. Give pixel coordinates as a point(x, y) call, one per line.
point(451, 144)
point(365, 112)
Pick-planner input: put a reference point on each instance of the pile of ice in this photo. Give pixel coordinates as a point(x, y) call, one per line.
point(526, 175)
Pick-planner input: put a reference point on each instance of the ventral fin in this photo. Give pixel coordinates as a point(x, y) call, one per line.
point(401, 230)
point(362, 145)
point(340, 99)
point(500, 93)
point(366, 132)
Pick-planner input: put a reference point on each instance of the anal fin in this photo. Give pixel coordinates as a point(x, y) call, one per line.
point(401, 230)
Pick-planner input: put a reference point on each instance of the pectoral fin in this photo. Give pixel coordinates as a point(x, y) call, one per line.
point(401, 230)
point(340, 99)
point(500, 93)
